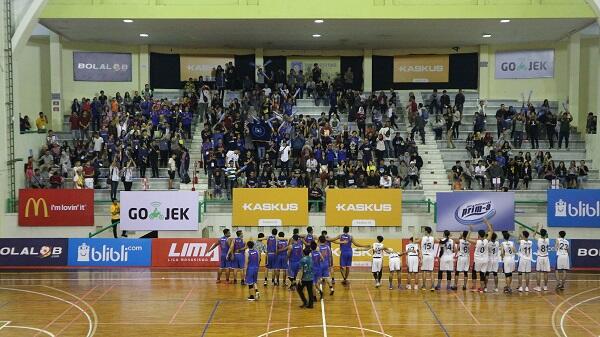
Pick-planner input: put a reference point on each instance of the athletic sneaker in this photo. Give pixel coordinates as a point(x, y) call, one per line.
point(520, 289)
point(537, 289)
point(257, 295)
point(436, 288)
point(464, 287)
point(265, 283)
point(391, 287)
point(408, 287)
point(234, 281)
point(332, 281)
point(251, 298)
point(377, 285)
point(432, 289)
point(218, 281)
point(331, 291)
point(485, 289)
point(545, 288)
point(320, 294)
point(242, 282)
point(449, 287)
point(495, 290)
point(526, 289)
point(482, 290)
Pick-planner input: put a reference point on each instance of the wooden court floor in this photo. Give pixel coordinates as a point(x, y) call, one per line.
point(144, 302)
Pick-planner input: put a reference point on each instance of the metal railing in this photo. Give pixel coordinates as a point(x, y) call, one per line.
point(101, 230)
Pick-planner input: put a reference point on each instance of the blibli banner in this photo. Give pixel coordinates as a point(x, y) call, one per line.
point(573, 208)
point(160, 210)
point(457, 211)
point(101, 67)
point(110, 252)
point(270, 207)
point(364, 207)
point(525, 64)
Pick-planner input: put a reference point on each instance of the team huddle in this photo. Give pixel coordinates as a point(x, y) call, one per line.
point(306, 261)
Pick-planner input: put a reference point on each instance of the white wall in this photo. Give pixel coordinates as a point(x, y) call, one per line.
point(32, 79)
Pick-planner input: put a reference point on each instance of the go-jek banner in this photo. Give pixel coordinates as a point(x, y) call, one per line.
point(573, 208)
point(525, 64)
point(161, 210)
point(456, 211)
point(364, 207)
point(110, 252)
point(270, 207)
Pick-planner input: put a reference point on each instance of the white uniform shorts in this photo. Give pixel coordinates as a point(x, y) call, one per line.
point(377, 264)
point(463, 262)
point(493, 265)
point(427, 263)
point(481, 264)
point(446, 263)
point(524, 265)
point(413, 263)
point(509, 264)
point(395, 264)
point(563, 263)
point(542, 264)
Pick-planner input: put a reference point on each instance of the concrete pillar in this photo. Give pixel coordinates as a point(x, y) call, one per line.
point(574, 67)
point(56, 112)
point(259, 60)
point(368, 70)
point(485, 71)
point(144, 68)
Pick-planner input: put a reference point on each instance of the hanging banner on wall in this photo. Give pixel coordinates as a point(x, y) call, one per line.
point(421, 68)
point(573, 208)
point(195, 66)
point(184, 253)
point(525, 64)
point(459, 210)
point(364, 207)
point(56, 207)
point(270, 207)
point(159, 211)
point(101, 67)
point(330, 66)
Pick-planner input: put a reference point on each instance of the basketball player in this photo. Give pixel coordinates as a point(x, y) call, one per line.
point(395, 265)
point(318, 261)
point(482, 255)
point(542, 265)
point(562, 260)
point(427, 257)
point(223, 243)
point(294, 254)
point(464, 259)
point(412, 261)
point(377, 249)
point(493, 260)
point(446, 254)
point(525, 255)
point(282, 264)
point(328, 242)
point(326, 253)
point(346, 241)
point(237, 248)
point(252, 265)
point(508, 260)
point(308, 238)
point(271, 256)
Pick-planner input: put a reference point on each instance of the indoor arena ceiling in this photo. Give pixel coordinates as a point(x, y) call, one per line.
point(298, 34)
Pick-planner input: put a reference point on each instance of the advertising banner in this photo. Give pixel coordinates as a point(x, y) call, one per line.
point(456, 211)
point(56, 207)
point(573, 208)
point(525, 64)
point(421, 68)
point(101, 67)
point(184, 253)
point(270, 207)
point(159, 211)
point(110, 252)
point(33, 252)
point(364, 207)
point(195, 66)
point(585, 253)
point(330, 66)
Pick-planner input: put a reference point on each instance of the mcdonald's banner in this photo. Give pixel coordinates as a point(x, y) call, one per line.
point(53, 207)
point(270, 207)
point(364, 207)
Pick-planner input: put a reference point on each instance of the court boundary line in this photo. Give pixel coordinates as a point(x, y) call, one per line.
point(180, 306)
point(562, 318)
point(356, 310)
point(466, 308)
point(375, 310)
point(270, 313)
point(581, 311)
point(554, 312)
point(577, 323)
point(323, 318)
point(68, 309)
point(437, 319)
point(331, 326)
point(289, 315)
point(210, 318)
point(8, 326)
point(92, 310)
point(93, 302)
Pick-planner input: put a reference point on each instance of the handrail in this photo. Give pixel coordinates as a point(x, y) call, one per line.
point(91, 235)
point(526, 226)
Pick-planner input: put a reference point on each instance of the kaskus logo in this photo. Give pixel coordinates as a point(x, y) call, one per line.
point(471, 213)
point(363, 207)
point(249, 206)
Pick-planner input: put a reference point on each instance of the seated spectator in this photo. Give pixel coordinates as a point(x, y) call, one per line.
point(24, 124)
point(315, 196)
point(41, 122)
point(583, 172)
point(37, 181)
point(56, 181)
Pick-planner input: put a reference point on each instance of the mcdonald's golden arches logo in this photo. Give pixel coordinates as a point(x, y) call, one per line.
point(36, 207)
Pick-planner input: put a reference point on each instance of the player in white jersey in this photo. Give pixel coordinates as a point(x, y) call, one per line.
point(542, 265)
point(395, 265)
point(377, 249)
point(446, 255)
point(427, 257)
point(482, 255)
point(508, 260)
point(562, 260)
point(412, 261)
point(463, 260)
point(525, 257)
point(493, 260)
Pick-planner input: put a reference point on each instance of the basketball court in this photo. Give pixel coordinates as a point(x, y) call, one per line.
point(143, 302)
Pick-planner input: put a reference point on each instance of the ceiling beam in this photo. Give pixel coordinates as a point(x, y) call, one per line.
point(27, 24)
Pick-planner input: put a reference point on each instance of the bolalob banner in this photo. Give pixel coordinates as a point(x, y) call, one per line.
point(33, 252)
point(421, 68)
point(184, 253)
point(525, 64)
point(270, 207)
point(159, 210)
point(364, 207)
point(101, 67)
point(195, 66)
point(585, 253)
point(56, 207)
point(573, 208)
point(110, 252)
point(456, 211)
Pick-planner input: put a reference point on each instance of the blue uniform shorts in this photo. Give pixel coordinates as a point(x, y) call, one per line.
point(346, 259)
point(324, 270)
point(251, 275)
point(238, 261)
point(293, 268)
point(281, 263)
point(316, 274)
point(225, 264)
point(271, 259)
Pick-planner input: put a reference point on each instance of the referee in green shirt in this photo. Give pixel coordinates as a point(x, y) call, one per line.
point(306, 271)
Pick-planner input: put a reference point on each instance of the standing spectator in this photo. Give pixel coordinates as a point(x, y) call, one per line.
point(128, 175)
point(496, 175)
point(551, 123)
point(171, 168)
point(98, 144)
point(459, 101)
point(114, 175)
point(519, 126)
point(74, 125)
point(500, 114)
point(41, 122)
point(84, 125)
point(480, 174)
point(115, 217)
point(445, 100)
point(468, 173)
point(591, 123)
point(284, 156)
point(534, 132)
point(315, 195)
point(565, 129)
point(434, 104)
point(419, 127)
point(348, 79)
point(220, 82)
point(316, 73)
point(153, 159)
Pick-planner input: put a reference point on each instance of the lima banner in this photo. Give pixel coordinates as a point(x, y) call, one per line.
point(459, 210)
point(573, 208)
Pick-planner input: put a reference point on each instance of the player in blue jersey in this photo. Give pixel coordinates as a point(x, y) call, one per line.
point(308, 239)
point(326, 253)
point(294, 253)
point(346, 241)
point(281, 263)
point(318, 263)
point(328, 242)
point(237, 248)
point(223, 244)
point(271, 256)
point(252, 265)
